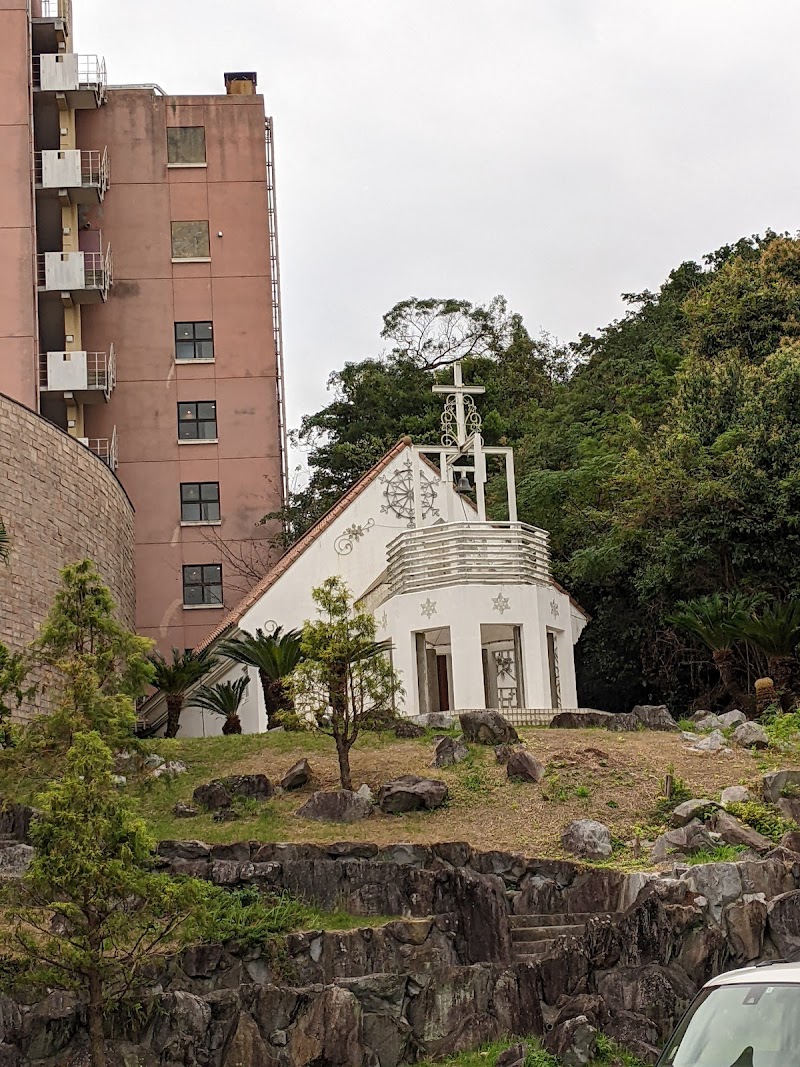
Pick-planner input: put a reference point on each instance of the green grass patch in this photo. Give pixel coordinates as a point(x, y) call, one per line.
point(720, 854)
point(608, 1055)
point(783, 730)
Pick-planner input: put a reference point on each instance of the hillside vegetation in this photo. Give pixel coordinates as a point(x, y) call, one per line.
point(614, 778)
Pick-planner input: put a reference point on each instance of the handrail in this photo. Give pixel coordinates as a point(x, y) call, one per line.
point(56, 9)
point(97, 273)
point(462, 553)
point(94, 165)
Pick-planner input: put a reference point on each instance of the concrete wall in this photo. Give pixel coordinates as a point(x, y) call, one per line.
point(60, 504)
point(151, 293)
point(18, 374)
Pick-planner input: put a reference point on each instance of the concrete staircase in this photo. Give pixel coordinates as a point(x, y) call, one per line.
point(533, 936)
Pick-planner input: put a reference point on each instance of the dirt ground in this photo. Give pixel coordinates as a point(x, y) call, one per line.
point(615, 778)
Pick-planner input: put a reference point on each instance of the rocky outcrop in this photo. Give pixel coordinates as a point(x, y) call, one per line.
point(581, 720)
point(430, 986)
point(219, 794)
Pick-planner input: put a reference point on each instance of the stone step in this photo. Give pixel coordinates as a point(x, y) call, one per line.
point(534, 951)
point(525, 934)
point(558, 918)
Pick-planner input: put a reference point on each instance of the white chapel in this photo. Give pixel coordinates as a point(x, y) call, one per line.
point(473, 615)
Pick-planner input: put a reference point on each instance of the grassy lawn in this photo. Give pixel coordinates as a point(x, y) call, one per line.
point(609, 1055)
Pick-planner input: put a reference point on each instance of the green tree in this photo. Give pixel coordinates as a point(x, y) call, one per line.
point(175, 678)
point(719, 621)
point(14, 672)
point(96, 666)
point(275, 656)
point(346, 675)
point(225, 699)
point(776, 632)
point(95, 913)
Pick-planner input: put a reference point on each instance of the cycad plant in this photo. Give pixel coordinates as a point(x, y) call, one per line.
point(776, 631)
point(224, 699)
point(275, 657)
point(176, 678)
point(5, 544)
point(719, 621)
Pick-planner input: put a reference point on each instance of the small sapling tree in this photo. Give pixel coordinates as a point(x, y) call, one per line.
point(346, 674)
point(94, 911)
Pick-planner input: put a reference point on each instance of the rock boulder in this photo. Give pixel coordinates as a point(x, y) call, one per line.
point(213, 796)
point(750, 735)
point(522, 766)
point(297, 776)
point(256, 786)
point(338, 806)
point(734, 832)
point(734, 794)
point(779, 784)
point(655, 716)
point(685, 841)
point(487, 728)
point(733, 718)
point(581, 720)
point(691, 809)
point(588, 839)
point(783, 922)
point(408, 730)
point(411, 793)
point(449, 750)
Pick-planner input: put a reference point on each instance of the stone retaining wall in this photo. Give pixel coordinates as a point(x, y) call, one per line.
point(59, 504)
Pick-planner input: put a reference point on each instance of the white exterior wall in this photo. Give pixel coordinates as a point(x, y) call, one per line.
point(353, 547)
point(464, 609)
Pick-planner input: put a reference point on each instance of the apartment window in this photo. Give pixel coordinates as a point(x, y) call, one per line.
point(190, 240)
point(193, 340)
point(202, 585)
point(199, 501)
point(197, 421)
point(186, 146)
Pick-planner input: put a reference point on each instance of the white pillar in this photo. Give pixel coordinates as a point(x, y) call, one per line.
point(465, 644)
point(404, 660)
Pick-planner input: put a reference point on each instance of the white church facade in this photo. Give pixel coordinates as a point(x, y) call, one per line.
point(473, 615)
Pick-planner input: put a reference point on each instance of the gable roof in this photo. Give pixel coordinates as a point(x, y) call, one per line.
point(302, 544)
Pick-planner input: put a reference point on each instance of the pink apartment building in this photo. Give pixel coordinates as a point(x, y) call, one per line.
point(139, 305)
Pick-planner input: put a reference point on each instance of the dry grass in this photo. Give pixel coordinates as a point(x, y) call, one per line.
point(615, 778)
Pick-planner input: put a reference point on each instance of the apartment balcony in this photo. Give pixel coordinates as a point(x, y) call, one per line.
point(51, 25)
point(468, 553)
point(88, 377)
point(104, 448)
point(74, 176)
point(75, 277)
point(78, 80)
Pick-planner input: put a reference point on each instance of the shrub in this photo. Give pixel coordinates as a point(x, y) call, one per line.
point(761, 817)
point(246, 916)
point(783, 731)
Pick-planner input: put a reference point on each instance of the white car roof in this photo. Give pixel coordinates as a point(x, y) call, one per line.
point(768, 974)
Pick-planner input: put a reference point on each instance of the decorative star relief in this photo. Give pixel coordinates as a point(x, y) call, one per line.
point(501, 603)
point(554, 608)
point(428, 608)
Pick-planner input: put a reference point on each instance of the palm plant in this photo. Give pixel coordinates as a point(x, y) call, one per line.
point(224, 699)
point(175, 678)
point(275, 657)
point(5, 544)
point(776, 631)
point(718, 621)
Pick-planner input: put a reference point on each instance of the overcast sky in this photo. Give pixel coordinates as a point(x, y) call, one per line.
point(557, 151)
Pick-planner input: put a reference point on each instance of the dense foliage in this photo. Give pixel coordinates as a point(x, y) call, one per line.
point(661, 452)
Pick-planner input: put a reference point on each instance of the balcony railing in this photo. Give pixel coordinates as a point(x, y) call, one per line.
point(78, 372)
point(72, 169)
point(53, 9)
point(86, 276)
point(104, 448)
point(72, 75)
point(468, 553)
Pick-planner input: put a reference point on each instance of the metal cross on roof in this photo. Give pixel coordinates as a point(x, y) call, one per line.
point(460, 418)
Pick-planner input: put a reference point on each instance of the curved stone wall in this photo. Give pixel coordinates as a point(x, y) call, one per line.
point(59, 504)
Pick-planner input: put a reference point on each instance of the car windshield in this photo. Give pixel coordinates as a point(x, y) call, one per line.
point(739, 1026)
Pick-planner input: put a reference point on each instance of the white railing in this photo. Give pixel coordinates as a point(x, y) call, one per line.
point(54, 9)
point(99, 372)
point(468, 553)
point(92, 168)
point(68, 271)
point(104, 448)
point(70, 72)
